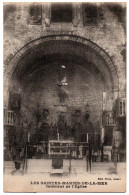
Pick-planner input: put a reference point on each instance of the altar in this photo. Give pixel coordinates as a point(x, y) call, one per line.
point(57, 148)
point(68, 149)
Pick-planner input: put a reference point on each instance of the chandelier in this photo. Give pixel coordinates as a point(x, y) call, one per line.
point(62, 79)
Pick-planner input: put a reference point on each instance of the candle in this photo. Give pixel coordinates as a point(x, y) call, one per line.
point(87, 137)
point(28, 136)
point(58, 136)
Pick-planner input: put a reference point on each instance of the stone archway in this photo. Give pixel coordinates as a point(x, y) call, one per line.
point(81, 48)
point(84, 51)
point(71, 38)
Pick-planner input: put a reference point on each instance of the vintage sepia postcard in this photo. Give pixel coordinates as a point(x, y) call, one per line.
point(64, 96)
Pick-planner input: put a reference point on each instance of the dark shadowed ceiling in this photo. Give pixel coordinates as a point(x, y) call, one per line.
point(59, 52)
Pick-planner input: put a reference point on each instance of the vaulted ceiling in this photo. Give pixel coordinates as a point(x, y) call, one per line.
point(59, 52)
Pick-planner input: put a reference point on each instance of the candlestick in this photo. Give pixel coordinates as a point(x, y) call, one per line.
point(87, 137)
point(58, 135)
point(28, 136)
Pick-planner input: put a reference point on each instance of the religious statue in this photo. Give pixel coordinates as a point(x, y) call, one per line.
point(43, 132)
point(88, 127)
point(37, 115)
point(62, 94)
point(45, 114)
point(62, 126)
point(53, 132)
point(78, 129)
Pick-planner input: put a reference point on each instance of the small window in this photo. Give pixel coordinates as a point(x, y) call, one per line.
point(35, 14)
point(61, 12)
point(90, 14)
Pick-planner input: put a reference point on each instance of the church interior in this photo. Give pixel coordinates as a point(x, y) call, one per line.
point(64, 93)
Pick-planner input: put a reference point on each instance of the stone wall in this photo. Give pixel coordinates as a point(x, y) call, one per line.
point(109, 33)
point(106, 39)
point(82, 88)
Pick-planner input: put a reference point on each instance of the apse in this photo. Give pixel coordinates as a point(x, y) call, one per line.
point(40, 70)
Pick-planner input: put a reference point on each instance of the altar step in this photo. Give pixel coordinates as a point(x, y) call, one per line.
point(45, 166)
point(38, 165)
point(103, 167)
point(77, 167)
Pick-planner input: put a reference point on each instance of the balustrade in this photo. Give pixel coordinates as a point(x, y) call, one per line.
point(109, 118)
